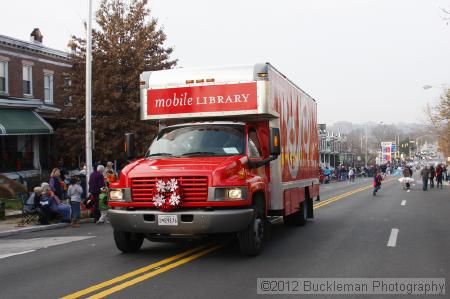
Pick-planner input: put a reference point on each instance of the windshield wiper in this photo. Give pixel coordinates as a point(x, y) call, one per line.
point(200, 154)
point(159, 154)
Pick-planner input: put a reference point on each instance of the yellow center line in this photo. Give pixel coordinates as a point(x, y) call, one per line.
point(152, 274)
point(191, 254)
point(341, 196)
point(131, 274)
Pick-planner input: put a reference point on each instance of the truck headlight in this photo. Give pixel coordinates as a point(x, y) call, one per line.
point(232, 193)
point(235, 193)
point(116, 195)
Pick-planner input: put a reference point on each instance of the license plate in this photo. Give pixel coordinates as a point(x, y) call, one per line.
point(167, 220)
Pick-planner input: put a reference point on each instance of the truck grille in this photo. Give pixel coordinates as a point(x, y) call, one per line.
point(195, 189)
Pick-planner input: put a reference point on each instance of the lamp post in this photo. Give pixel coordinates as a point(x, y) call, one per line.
point(89, 94)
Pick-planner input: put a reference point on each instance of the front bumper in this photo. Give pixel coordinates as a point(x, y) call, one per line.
point(190, 222)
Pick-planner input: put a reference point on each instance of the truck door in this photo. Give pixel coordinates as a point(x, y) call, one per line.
point(258, 175)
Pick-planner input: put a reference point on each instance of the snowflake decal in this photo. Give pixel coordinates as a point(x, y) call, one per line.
point(172, 185)
point(168, 195)
point(161, 186)
point(159, 200)
point(174, 199)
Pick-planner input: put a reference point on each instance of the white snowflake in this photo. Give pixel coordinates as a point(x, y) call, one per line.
point(159, 200)
point(172, 185)
point(161, 186)
point(174, 199)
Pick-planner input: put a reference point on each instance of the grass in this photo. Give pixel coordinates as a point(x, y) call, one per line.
point(11, 203)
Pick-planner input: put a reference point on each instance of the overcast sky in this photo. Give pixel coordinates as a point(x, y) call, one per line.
point(362, 60)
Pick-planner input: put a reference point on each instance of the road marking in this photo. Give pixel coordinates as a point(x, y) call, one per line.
point(167, 264)
point(403, 202)
point(11, 247)
point(13, 254)
point(133, 273)
point(341, 196)
point(393, 238)
point(153, 273)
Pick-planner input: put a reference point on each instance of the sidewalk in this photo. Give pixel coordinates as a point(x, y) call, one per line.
point(11, 226)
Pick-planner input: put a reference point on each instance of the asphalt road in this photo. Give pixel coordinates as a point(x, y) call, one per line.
point(348, 238)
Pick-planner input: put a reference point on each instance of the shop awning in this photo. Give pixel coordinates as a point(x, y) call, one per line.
point(22, 122)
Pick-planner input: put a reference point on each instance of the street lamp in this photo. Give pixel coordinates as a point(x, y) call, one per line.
point(89, 95)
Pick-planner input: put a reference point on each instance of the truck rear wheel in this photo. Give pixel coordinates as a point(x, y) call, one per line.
point(127, 241)
point(298, 218)
point(252, 238)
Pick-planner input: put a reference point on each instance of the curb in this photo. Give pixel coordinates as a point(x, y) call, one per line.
point(37, 228)
point(32, 229)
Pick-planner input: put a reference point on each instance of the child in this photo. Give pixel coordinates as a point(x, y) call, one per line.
point(103, 205)
point(377, 183)
point(74, 194)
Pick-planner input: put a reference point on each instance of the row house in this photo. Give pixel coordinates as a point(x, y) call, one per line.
point(333, 148)
point(32, 82)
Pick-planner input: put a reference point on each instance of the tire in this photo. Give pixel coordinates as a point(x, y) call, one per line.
point(252, 238)
point(298, 218)
point(128, 242)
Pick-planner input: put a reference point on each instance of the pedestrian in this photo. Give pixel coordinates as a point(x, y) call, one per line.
point(431, 175)
point(351, 172)
point(439, 171)
point(407, 173)
point(447, 169)
point(444, 172)
point(96, 182)
point(43, 219)
point(56, 185)
point(109, 168)
point(82, 179)
point(54, 203)
point(424, 173)
point(377, 183)
point(74, 193)
point(103, 204)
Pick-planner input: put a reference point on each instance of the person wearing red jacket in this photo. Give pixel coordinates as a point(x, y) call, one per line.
point(377, 183)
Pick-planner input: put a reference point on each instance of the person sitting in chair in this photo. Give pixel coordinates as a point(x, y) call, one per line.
point(51, 204)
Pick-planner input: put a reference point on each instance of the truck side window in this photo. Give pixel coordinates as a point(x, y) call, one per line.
point(253, 144)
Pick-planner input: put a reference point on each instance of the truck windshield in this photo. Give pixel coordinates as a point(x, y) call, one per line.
point(199, 140)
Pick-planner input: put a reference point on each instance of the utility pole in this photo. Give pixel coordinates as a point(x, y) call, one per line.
point(365, 155)
point(89, 94)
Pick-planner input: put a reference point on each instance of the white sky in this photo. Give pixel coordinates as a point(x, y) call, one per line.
point(362, 60)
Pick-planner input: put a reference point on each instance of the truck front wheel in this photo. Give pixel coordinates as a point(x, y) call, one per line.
point(127, 241)
point(252, 238)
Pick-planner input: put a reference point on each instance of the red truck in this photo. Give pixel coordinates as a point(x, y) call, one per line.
point(236, 146)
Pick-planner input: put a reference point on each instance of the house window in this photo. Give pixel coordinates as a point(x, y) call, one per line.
point(48, 88)
point(67, 91)
point(4, 77)
point(27, 81)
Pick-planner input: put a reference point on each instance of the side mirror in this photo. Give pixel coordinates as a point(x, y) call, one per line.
point(129, 146)
point(274, 146)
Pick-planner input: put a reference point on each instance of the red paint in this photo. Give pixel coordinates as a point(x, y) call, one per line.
point(197, 99)
point(298, 129)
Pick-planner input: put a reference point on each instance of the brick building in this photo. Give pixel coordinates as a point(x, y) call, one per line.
point(32, 81)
